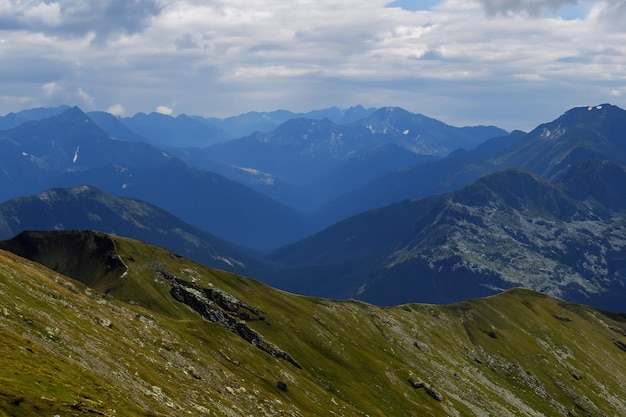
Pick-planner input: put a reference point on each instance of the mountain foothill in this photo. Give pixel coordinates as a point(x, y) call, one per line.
point(381, 205)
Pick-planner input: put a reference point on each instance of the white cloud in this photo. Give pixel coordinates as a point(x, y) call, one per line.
point(85, 99)
point(531, 7)
point(49, 14)
point(68, 18)
point(116, 110)
point(51, 89)
point(455, 60)
point(164, 110)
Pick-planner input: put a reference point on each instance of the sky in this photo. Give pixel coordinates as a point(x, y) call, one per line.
point(510, 63)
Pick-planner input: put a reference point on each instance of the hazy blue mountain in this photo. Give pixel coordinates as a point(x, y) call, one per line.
point(597, 181)
point(204, 199)
point(174, 132)
point(424, 135)
point(303, 150)
point(34, 154)
point(12, 120)
point(251, 122)
point(510, 228)
point(71, 150)
point(324, 160)
point(434, 177)
point(87, 208)
point(580, 134)
point(114, 127)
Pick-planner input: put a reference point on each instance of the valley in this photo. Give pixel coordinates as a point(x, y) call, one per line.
point(376, 206)
point(367, 262)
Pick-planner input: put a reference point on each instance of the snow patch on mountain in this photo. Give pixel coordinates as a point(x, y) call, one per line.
point(261, 177)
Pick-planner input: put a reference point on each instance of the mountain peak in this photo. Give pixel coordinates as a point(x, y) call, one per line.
point(518, 189)
point(590, 116)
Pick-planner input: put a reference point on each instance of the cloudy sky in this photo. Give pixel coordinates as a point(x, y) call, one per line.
point(512, 63)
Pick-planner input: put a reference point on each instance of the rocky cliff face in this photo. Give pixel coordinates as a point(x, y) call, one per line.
point(86, 256)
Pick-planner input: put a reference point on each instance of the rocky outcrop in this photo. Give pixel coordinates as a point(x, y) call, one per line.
point(219, 307)
point(87, 256)
point(620, 344)
point(427, 389)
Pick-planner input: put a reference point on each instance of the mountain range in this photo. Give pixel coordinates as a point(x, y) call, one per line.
point(88, 208)
point(541, 209)
point(515, 246)
point(185, 130)
point(69, 149)
point(322, 160)
point(94, 324)
point(508, 229)
point(581, 133)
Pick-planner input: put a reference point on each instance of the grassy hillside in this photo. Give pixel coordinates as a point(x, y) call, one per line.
point(132, 349)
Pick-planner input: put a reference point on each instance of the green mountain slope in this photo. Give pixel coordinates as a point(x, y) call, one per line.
point(233, 346)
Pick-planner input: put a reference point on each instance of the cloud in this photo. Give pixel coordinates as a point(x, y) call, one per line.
point(48, 14)
point(164, 110)
point(452, 59)
point(68, 18)
point(51, 89)
point(185, 42)
point(530, 7)
point(86, 101)
point(116, 110)
point(613, 12)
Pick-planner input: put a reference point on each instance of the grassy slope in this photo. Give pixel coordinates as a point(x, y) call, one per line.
point(67, 350)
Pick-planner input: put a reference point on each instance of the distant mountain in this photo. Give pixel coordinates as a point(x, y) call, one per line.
point(580, 134)
point(432, 177)
point(35, 154)
point(114, 127)
point(173, 132)
point(325, 160)
point(94, 324)
point(508, 229)
point(303, 150)
point(12, 120)
point(251, 122)
point(185, 131)
point(204, 199)
point(70, 150)
point(424, 135)
point(86, 207)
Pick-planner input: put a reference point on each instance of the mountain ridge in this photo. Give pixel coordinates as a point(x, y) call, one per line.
point(69, 149)
point(548, 150)
point(86, 207)
point(140, 349)
point(509, 228)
